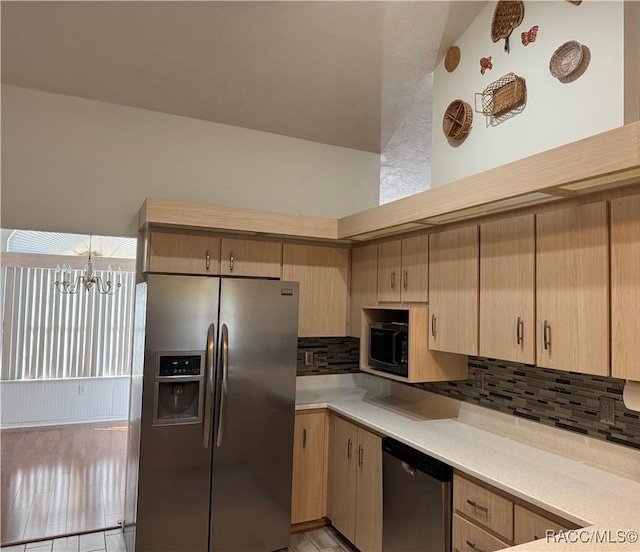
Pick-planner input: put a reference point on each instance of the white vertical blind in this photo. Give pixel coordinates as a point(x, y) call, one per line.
point(49, 335)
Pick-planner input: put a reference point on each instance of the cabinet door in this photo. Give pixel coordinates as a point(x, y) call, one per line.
point(528, 526)
point(323, 275)
point(415, 269)
point(251, 258)
point(369, 492)
point(507, 295)
point(182, 253)
point(341, 506)
point(364, 284)
point(453, 291)
point(308, 501)
point(389, 267)
point(625, 287)
point(572, 289)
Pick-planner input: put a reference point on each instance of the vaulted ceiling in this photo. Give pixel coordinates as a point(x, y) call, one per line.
point(312, 69)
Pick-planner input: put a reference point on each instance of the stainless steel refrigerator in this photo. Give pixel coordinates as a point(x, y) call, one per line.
point(216, 420)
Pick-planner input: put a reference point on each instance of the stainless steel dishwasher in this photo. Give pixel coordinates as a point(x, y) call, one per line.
point(416, 498)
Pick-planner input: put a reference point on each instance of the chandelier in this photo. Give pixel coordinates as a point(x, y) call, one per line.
point(87, 280)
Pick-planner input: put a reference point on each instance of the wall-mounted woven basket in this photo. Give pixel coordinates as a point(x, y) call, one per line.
point(457, 120)
point(452, 59)
point(506, 94)
point(507, 15)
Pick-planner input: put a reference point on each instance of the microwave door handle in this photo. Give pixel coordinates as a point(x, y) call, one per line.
point(394, 342)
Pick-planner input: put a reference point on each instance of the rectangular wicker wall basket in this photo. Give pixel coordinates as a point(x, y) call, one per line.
point(506, 94)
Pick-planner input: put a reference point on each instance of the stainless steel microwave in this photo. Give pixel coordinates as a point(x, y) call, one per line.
point(389, 347)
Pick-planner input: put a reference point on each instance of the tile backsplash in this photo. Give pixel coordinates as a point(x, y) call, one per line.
point(566, 400)
point(332, 355)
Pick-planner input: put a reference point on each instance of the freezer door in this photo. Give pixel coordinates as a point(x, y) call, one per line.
point(175, 466)
point(253, 454)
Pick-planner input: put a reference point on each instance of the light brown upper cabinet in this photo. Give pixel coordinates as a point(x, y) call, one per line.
point(572, 289)
point(183, 253)
point(453, 291)
point(309, 482)
point(507, 292)
point(364, 282)
point(423, 363)
point(403, 272)
point(625, 287)
point(251, 258)
point(323, 273)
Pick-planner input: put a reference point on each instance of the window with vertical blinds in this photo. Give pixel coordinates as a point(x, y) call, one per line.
point(48, 335)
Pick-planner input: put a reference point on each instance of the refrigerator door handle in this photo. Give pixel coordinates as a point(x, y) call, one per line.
point(208, 400)
point(224, 357)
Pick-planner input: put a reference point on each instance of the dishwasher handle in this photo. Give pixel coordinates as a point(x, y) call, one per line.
point(417, 461)
point(408, 469)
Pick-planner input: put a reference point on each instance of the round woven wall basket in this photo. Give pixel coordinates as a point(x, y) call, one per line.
point(457, 120)
point(452, 59)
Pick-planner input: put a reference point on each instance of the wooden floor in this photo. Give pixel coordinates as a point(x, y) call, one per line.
point(61, 479)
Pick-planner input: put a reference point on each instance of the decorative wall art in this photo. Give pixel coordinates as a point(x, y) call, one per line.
point(485, 64)
point(507, 15)
point(452, 59)
point(570, 61)
point(503, 98)
point(457, 120)
point(529, 36)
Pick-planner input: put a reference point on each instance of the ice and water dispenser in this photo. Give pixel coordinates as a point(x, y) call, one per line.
point(179, 387)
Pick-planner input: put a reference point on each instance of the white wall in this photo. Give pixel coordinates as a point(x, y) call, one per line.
point(56, 402)
point(76, 165)
point(555, 113)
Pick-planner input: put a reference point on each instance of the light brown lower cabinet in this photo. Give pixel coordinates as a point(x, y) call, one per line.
point(529, 526)
point(468, 537)
point(486, 519)
point(355, 484)
point(309, 482)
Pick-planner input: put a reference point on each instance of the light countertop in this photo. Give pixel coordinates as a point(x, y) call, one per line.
point(576, 489)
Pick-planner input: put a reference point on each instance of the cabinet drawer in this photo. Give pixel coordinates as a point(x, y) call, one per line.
point(468, 537)
point(529, 526)
point(484, 506)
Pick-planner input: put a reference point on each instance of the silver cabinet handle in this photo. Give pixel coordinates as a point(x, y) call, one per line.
point(224, 365)
point(360, 455)
point(207, 260)
point(231, 260)
point(405, 278)
point(393, 279)
point(519, 331)
point(477, 506)
point(546, 335)
point(304, 438)
point(349, 447)
point(433, 325)
point(473, 547)
point(208, 397)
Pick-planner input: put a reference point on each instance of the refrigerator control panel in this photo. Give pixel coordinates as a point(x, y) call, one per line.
point(179, 365)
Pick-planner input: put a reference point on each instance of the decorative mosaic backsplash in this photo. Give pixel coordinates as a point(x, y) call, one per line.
point(332, 355)
point(567, 400)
